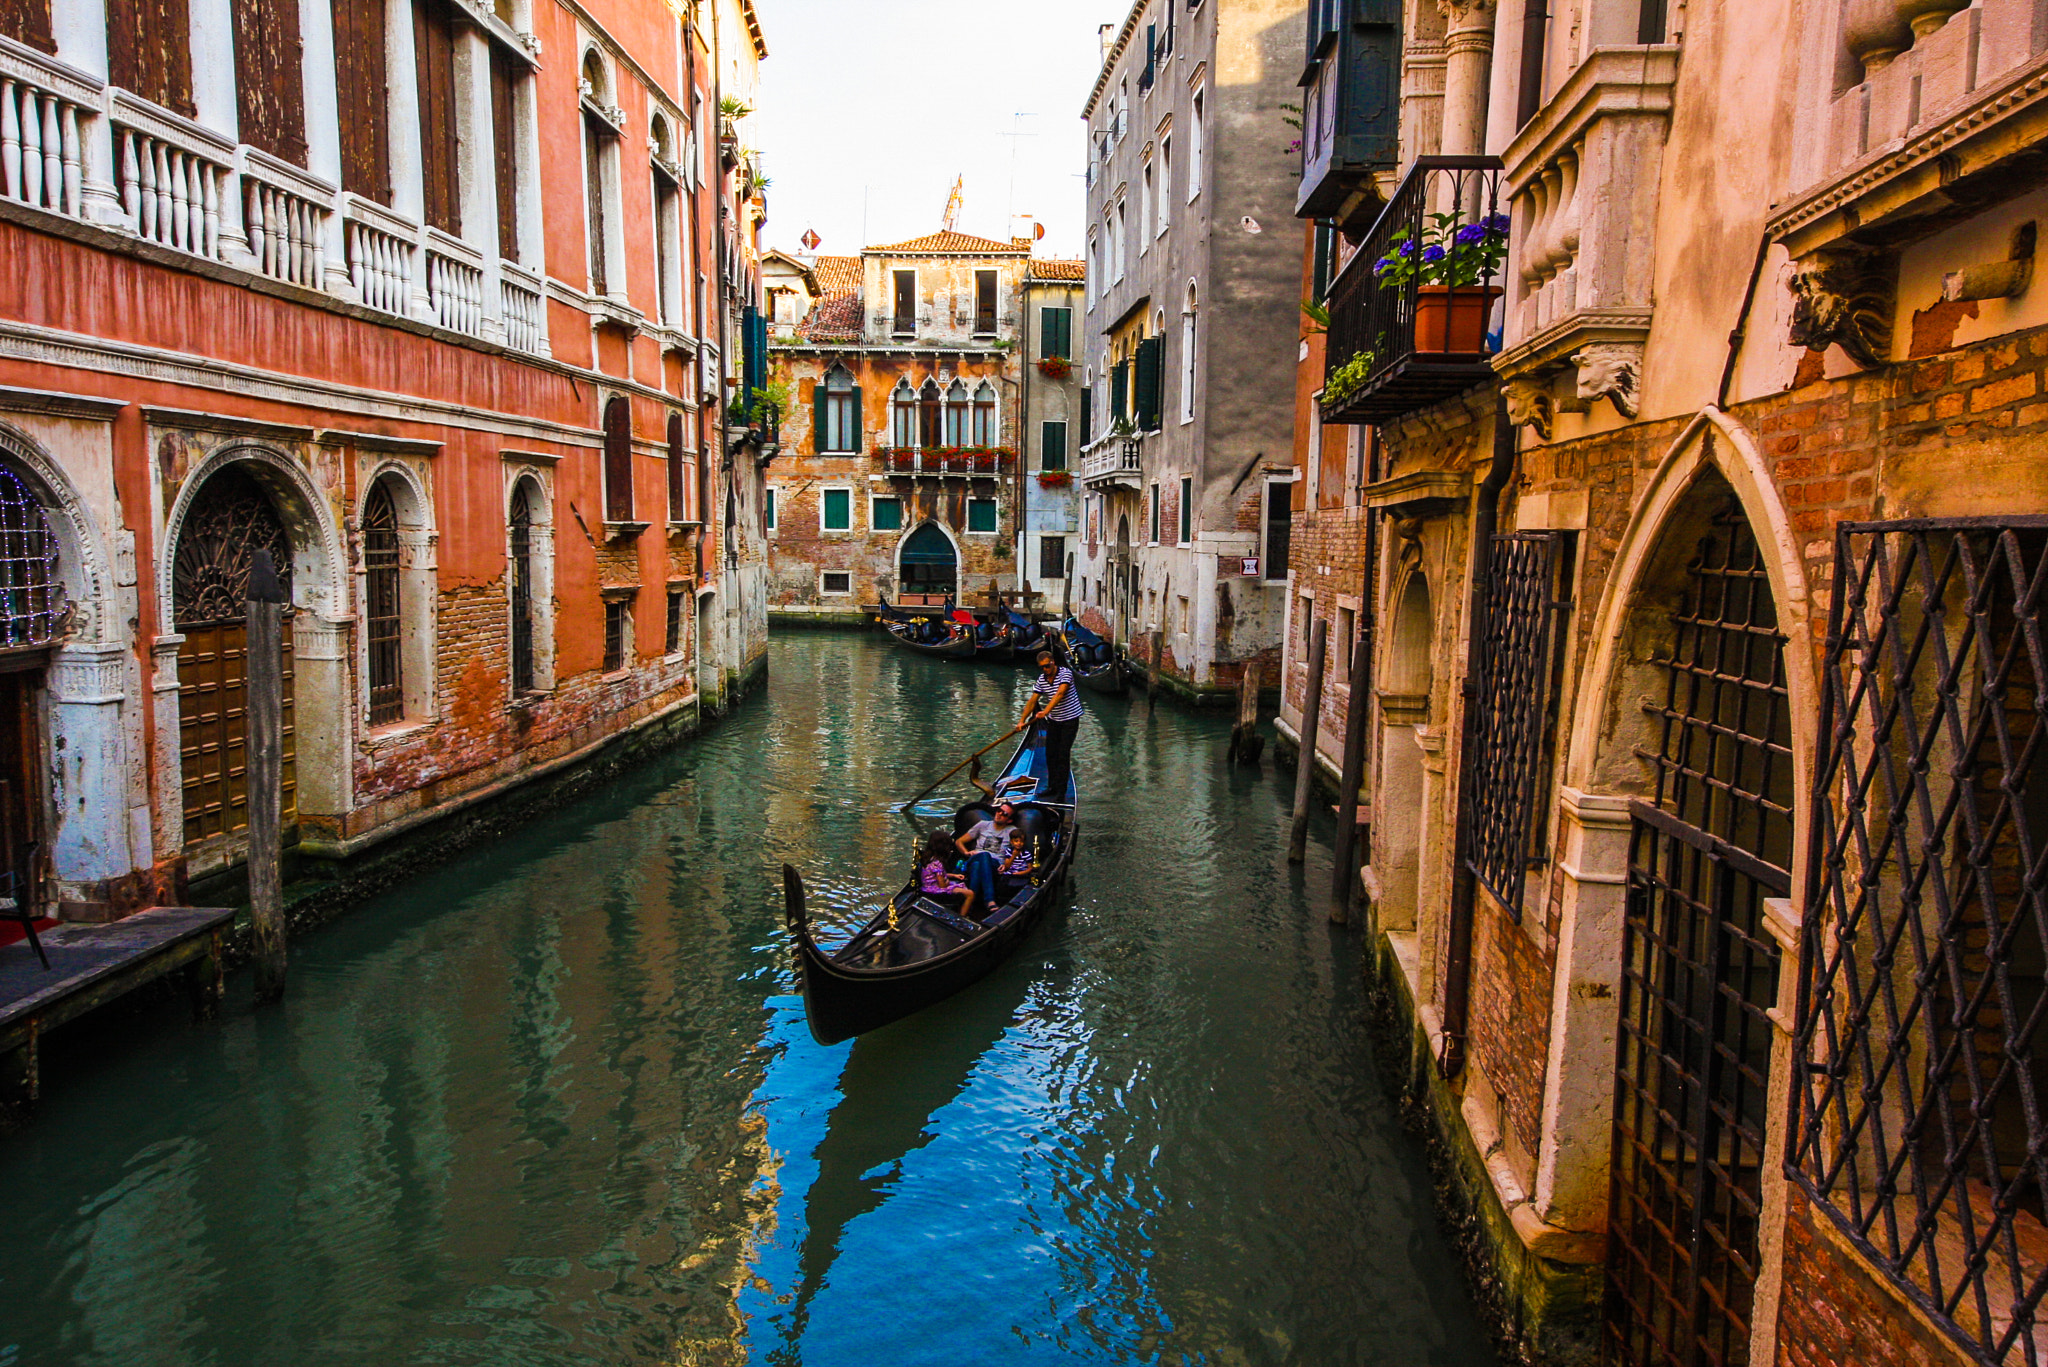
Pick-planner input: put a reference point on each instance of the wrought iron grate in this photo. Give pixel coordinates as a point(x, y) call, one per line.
point(522, 590)
point(1699, 974)
point(382, 625)
point(31, 599)
point(1524, 604)
point(1918, 1120)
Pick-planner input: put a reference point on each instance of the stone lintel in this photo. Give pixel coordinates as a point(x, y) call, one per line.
point(378, 441)
point(58, 403)
point(227, 424)
point(1421, 493)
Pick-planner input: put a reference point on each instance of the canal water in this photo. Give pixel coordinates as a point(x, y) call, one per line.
point(555, 1102)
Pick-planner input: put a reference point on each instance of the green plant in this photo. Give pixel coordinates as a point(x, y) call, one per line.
point(758, 405)
point(1318, 316)
point(1292, 118)
point(1349, 378)
point(733, 107)
point(1122, 427)
point(1446, 250)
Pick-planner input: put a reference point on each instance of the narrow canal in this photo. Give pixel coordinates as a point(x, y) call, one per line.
point(556, 1102)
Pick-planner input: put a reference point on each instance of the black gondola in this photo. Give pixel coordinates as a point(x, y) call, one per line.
point(1093, 660)
point(939, 636)
point(915, 951)
point(992, 641)
point(1027, 637)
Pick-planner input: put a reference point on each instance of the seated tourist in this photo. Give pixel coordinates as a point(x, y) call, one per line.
point(937, 882)
point(1019, 863)
point(986, 844)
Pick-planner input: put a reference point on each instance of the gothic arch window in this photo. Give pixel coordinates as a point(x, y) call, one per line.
point(383, 619)
point(601, 176)
point(957, 430)
point(618, 460)
point(31, 597)
point(984, 414)
point(530, 584)
point(521, 567)
point(903, 415)
point(929, 432)
point(228, 521)
point(838, 421)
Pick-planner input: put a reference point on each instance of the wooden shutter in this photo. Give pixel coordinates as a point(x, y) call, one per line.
point(149, 51)
point(1148, 378)
point(364, 98)
point(594, 139)
point(270, 85)
point(854, 432)
point(28, 21)
point(433, 37)
point(821, 415)
point(505, 154)
point(678, 488)
point(618, 461)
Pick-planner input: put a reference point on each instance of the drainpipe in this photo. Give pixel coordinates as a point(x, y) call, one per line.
point(1357, 720)
point(1023, 414)
point(1457, 1001)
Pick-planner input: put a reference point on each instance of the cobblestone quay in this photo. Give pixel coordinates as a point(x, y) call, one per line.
point(556, 1102)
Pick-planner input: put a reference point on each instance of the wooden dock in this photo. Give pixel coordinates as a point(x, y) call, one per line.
point(91, 965)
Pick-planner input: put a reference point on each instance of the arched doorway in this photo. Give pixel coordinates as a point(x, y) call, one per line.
point(927, 565)
point(230, 518)
point(32, 614)
point(1121, 578)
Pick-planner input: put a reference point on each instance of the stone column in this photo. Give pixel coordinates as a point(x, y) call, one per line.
point(89, 764)
point(323, 132)
point(1468, 69)
point(408, 187)
point(477, 176)
point(321, 706)
point(166, 770)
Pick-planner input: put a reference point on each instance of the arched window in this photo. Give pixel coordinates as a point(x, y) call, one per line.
point(618, 460)
point(521, 556)
point(668, 222)
point(928, 429)
point(985, 414)
point(600, 150)
point(838, 420)
point(30, 597)
point(927, 564)
point(956, 414)
point(903, 415)
point(382, 620)
point(1187, 358)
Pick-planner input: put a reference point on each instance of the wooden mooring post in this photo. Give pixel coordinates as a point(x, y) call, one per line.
point(1305, 761)
point(265, 675)
point(1245, 741)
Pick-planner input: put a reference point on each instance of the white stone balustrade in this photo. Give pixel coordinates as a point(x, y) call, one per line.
point(175, 181)
point(41, 146)
point(1938, 60)
point(379, 258)
point(285, 220)
point(455, 286)
point(521, 303)
point(1115, 460)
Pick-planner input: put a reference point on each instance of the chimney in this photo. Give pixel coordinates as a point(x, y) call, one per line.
point(1105, 35)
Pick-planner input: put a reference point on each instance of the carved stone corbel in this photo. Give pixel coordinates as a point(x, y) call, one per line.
point(1843, 298)
point(1609, 370)
point(1529, 405)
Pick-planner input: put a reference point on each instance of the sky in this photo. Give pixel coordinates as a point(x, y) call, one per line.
point(870, 108)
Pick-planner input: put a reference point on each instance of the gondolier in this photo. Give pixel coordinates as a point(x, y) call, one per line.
point(1055, 704)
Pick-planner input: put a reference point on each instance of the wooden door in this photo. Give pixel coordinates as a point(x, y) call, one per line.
point(231, 518)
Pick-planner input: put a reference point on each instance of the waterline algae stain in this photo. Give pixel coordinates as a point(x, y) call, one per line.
point(556, 1102)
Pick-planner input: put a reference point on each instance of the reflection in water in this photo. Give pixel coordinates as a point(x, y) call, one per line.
point(556, 1102)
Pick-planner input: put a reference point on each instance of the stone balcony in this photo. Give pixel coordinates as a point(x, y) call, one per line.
point(946, 462)
point(1583, 177)
point(1114, 461)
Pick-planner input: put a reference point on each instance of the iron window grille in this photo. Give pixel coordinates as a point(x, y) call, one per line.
point(1699, 974)
point(522, 590)
point(31, 599)
point(614, 635)
point(382, 623)
point(672, 641)
point(1526, 597)
point(1918, 1119)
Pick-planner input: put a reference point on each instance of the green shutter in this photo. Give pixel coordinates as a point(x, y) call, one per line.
point(859, 422)
point(981, 514)
point(888, 515)
point(838, 510)
point(1148, 404)
point(1056, 332)
point(819, 400)
point(1052, 446)
point(1066, 332)
point(1120, 391)
point(1087, 415)
point(1187, 509)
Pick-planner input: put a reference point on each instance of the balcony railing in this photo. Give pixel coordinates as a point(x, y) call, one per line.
point(1114, 460)
point(1416, 312)
point(948, 462)
point(521, 304)
point(285, 221)
point(41, 152)
point(379, 258)
point(172, 179)
point(455, 286)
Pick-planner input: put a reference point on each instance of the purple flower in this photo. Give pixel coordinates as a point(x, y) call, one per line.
point(1495, 222)
point(1470, 233)
point(1383, 265)
point(1432, 255)
point(1408, 247)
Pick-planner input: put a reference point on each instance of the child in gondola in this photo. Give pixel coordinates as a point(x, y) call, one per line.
point(1020, 861)
point(939, 883)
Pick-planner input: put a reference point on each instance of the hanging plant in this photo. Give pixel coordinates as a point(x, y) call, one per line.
point(1054, 479)
point(1055, 367)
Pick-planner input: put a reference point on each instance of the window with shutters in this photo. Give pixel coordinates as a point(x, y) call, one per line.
point(28, 21)
point(1087, 416)
point(956, 414)
point(1052, 445)
point(149, 51)
point(1120, 392)
point(835, 510)
point(981, 515)
point(984, 301)
point(903, 415)
point(618, 460)
point(1144, 207)
point(1148, 383)
point(768, 508)
point(505, 78)
point(668, 218)
point(269, 87)
point(1056, 332)
point(383, 620)
point(838, 424)
point(985, 429)
point(1197, 111)
point(1165, 186)
point(679, 480)
point(885, 514)
point(905, 322)
point(362, 98)
point(1187, 359)
point(600, 145)
point(433, 40)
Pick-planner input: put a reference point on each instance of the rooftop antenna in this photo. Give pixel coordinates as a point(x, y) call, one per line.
point(953, 203)
point(1013, 135)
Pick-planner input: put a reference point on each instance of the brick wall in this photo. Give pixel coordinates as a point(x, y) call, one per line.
point(1835, 1311)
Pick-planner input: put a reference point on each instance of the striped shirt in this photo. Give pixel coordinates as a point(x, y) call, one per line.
point(1020, 860)
point(1069, 708)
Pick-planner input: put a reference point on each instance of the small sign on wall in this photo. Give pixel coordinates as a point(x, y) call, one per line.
point(1249, 567)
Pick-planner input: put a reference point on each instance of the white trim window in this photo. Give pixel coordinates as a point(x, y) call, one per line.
point(1145, 187)
point(1118, 240)
point(1198, 110)
point(835, 508)
point(835, 583)
point(982, 517)
point(768, 509)
point(1187, 359)
point(1165, 185)
point(885, 513)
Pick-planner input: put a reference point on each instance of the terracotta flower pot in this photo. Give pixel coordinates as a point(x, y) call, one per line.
point(1453, 318)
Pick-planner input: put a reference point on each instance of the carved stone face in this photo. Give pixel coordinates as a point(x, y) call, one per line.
point(1604, 370)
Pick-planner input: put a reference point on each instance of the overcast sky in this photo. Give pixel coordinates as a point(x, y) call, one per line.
point(870, 108)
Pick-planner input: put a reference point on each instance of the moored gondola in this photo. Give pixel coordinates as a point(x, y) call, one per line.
point(992, 641)
point(921, 634)
point(1027, 637)
point(916, 951)
point(1094, 661)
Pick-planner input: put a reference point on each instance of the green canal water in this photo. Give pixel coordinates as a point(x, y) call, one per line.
point(556, 1103)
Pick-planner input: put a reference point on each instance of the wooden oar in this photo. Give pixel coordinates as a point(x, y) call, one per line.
point(961, 765)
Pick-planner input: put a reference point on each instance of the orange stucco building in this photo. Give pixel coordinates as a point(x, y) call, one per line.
point(448, 306)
